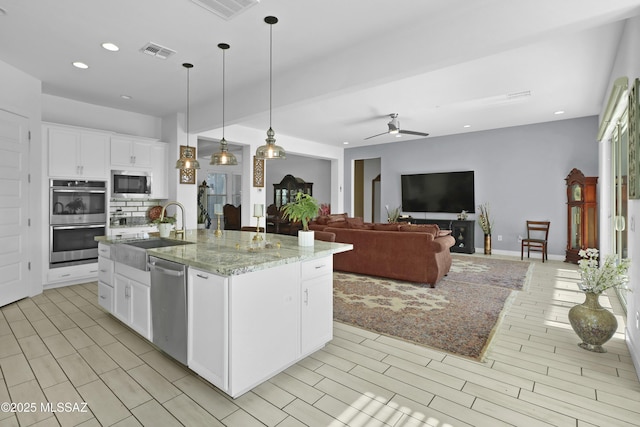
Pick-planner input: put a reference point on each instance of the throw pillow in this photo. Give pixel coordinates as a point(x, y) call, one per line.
point(354, 222)
point(322, 220)
point(336, 217)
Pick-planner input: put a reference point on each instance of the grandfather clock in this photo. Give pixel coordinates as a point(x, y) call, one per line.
point(582, 211)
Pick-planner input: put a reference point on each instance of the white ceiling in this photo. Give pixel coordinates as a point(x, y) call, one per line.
point(340, 66)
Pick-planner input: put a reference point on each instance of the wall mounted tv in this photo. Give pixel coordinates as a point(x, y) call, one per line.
point(449, 192)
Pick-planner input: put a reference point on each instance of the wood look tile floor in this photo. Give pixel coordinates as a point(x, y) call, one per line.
point(61, 347)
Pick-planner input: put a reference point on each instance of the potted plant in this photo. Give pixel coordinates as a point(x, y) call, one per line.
point(594, 324)
point(165, 224)
point(304, 208)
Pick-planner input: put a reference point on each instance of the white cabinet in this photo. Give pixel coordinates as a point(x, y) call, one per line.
point(132, 299)
point(75, 152)
point(316, 304)
point(105, 277)
point(129, 152)
point(160, 171)
point(208, 353)
point(251, 339)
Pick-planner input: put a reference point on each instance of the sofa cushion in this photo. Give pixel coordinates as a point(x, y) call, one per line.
point(354, 221)
point(381, 226)
point(433, 229)
point(338, 224)
point(364, 226)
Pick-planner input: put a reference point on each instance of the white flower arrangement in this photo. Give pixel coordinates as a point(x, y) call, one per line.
point(598, 278)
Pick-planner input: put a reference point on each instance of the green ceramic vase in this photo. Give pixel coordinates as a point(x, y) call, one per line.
point(594, 324)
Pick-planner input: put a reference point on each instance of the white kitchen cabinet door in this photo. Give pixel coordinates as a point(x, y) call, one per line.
point(122, 298)
point(159, 168)
point(129, 152)
point(208, 336)
point(316, 304)
point(264, 325)
point(140, 308)
point(77, 153)
point(132, 304)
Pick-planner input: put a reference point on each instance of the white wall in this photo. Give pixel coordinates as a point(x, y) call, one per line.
point(628, 64)
point(70, 112)
point(519, 171)
point(20, 94)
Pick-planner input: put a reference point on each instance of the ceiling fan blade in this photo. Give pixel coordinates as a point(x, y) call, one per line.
point(410, 132)
point(380, 134)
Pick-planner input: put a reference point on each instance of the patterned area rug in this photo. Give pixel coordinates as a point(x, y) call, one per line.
point(459, 315)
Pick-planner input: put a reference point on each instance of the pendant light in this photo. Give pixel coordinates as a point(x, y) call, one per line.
point(223, 157)
point(186, 160)
point(270, 150)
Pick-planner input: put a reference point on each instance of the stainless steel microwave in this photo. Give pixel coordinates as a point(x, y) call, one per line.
point(130, 184)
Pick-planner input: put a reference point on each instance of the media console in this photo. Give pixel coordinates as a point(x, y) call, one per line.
point(461, 230)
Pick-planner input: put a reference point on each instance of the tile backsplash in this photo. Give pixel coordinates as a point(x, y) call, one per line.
point(130, 212)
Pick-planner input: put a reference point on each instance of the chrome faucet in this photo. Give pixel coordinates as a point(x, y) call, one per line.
point(164, 208)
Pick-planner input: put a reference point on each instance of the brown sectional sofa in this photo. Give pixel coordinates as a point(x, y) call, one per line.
point(415, 253)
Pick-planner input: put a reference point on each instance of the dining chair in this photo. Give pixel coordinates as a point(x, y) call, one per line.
point(537, 239)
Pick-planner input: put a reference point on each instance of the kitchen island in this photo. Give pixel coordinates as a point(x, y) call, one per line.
point(253, 307)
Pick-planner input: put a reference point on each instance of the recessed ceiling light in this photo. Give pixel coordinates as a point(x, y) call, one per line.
point(466, 126)
point(346, 142)
point(80, 65)
point(110, 47)
point(558, 112)
point(127, 97)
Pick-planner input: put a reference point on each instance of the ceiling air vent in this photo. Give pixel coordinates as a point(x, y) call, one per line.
point(226, 9)
point(157, 50)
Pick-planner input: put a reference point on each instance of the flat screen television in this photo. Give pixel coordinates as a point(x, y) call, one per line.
point(448, 192)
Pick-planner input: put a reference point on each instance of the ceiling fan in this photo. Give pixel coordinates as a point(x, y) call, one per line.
point(394, 128)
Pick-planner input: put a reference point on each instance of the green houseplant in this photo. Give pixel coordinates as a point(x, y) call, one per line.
point(304, 208)
point(165, 224)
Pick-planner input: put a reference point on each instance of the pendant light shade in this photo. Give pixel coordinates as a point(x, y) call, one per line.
point(270, 150)
point(187, 160)
point(223, 157)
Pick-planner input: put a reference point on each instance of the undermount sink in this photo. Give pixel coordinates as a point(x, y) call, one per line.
point(157, 243)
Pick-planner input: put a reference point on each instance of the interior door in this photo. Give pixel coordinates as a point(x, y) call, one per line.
point(14, 203)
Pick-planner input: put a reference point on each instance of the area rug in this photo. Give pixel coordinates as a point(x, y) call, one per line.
point(459, 315)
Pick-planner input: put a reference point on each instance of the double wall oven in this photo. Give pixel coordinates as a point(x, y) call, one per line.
point(77, 214)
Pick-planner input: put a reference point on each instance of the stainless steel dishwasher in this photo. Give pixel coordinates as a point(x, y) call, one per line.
point(169, 307)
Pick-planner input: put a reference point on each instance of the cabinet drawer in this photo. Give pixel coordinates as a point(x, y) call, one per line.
point(74, 272)
point(317, 267)
point(105, 270)
point(105, 296)
point(104, 250)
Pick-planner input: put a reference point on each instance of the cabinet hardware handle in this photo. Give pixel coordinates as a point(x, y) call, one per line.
point(103, 297)
point(320, 266)
point(103, 271)
point(66, 275)
point(202, 276)
point(306, 296)
point(127, 291)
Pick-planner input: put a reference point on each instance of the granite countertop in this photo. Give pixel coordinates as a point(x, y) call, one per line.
point(235, 252)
